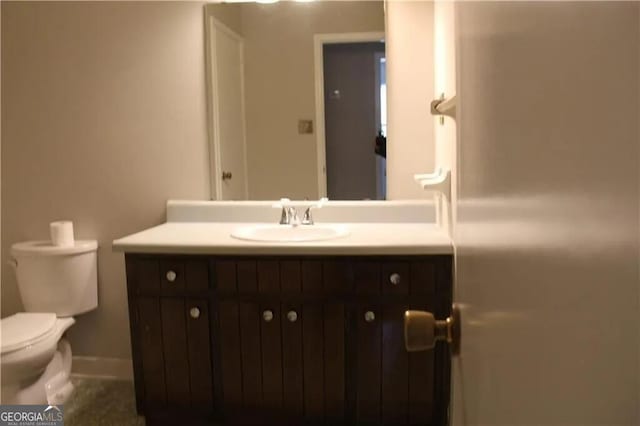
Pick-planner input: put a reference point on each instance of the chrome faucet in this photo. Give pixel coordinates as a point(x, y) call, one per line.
point(289, 216)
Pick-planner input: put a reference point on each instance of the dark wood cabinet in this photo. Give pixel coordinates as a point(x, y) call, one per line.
point(287, 340)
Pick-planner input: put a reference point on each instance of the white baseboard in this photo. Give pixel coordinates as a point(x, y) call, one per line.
point(106, 368)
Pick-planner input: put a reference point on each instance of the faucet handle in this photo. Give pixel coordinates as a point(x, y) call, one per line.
point(283, 203)
point(321, 202)
point(289, 214)
point(285, 215)
point(307, 219)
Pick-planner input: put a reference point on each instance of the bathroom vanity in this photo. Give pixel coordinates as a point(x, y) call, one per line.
point(226, 331)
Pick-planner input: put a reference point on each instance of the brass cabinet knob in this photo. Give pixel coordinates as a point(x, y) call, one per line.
point(194, 313)
point(227, 175)
point(292, 316)
point(267, 315)
point(171, 276)
point(369, 316)
point(394, 278)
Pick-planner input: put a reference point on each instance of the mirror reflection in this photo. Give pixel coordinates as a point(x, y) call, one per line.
point(297, 100)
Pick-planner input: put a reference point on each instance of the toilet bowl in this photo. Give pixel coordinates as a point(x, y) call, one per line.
point(36, 361)
point(55, 283)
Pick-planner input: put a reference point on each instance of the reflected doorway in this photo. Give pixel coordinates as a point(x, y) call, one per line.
point(355, 116)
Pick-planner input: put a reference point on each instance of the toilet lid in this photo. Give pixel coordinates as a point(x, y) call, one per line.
point(46, 248)
point(23, 328)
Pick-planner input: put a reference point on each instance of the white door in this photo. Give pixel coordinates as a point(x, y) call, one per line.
point(229, 173)
point(547, 213)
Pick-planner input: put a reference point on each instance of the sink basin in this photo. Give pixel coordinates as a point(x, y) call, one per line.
point(290, 233)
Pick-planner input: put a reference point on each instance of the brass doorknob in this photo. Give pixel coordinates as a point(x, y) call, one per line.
point(227, 175)
point(422, 330)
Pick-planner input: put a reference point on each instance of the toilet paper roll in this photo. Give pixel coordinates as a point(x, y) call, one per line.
point(62, 233)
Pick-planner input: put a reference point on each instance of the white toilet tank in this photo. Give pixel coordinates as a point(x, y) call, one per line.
point(61, 280)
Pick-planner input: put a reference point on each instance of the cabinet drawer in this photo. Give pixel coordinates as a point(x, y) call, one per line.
point(391, 280)
point(261, 280)
point(168, 276)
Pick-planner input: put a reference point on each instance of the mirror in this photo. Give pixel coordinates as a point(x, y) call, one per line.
point(297, 100)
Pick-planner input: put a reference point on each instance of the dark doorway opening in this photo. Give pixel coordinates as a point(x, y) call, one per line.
point(355, 114)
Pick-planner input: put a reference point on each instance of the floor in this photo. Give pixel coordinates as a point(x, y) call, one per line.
point(101, 402)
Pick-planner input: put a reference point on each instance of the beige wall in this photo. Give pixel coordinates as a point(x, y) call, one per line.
point(279, 83)
point(410, 82)
point(103, 113)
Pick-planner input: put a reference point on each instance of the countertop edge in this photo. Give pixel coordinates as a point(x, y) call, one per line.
point(287, 250)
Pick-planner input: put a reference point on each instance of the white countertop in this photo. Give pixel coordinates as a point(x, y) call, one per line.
point(376, 228)
point(215, 238)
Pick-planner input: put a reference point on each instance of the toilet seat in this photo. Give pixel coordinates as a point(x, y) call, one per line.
point(24, 329)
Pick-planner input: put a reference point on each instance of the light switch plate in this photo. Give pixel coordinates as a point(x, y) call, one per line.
point(305, 127)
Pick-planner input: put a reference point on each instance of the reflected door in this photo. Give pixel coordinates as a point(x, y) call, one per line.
point(352, 119)
point(228, 124)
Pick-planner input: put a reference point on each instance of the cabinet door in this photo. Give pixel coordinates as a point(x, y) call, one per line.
point(368, 332)
point(199, 354)
point(392, 386)
point(241, 321)
point(176, 355)
point(385, 373)
point(282, 356)
point(292, 349)
point(313, 344)
point(150, 378)
point(271, 321)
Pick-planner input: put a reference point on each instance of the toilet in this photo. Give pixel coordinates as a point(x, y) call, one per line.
point(55, 283)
